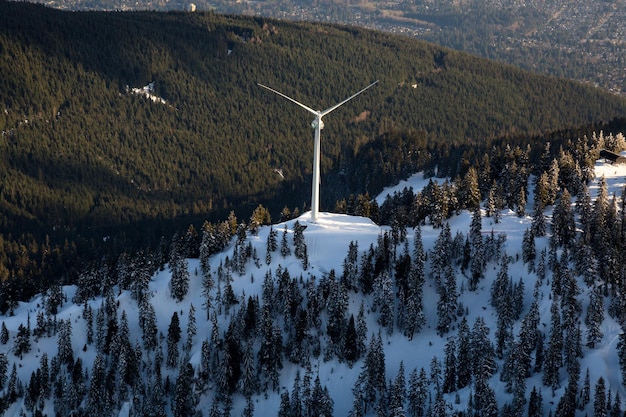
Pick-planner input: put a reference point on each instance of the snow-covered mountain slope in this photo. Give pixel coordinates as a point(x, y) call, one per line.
point(327, 243)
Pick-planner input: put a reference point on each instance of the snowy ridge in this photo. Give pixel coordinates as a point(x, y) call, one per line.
point(327, 243)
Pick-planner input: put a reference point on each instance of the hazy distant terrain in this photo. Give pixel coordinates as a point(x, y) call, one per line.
point(580, 40)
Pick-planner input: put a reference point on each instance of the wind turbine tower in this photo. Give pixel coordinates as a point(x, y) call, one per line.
point(318, 125)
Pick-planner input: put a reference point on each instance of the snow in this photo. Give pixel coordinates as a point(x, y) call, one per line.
point(148, 92)
point(327, 240)
point(416, 182)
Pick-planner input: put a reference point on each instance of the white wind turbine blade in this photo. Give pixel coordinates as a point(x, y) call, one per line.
point(325, 112)
point(290, 99)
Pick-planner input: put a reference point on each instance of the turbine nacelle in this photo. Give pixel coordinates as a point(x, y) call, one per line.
point(317, 122)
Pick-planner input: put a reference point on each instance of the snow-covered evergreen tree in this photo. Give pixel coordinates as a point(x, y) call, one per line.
point(594, 317)
point(414, 318)
point(563, 225)
point(450, 367)
point(285, 250)
point(477, 250)
point(554, 356)
point(599, 399)
point(184, 401)
point(351, 267)
point(179, 283)
point(4, 334)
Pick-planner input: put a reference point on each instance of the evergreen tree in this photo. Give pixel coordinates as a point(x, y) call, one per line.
point(538, 225)
point(350, 267)
point(285, 250)
point(300, 244)
point(520, 203)
point(448, 299)
point(621, 354)
point(361, 330)
point(184, 403)
point(450, 367)
point(554, 358)
point(4, 334)
point(173, 337)
point(260, 216)
point(284, 410)
point(191, 327)
point(295, 401)
point(249, 377)
point(54, 298)
point(272, 245)
point(563, 226)
point(65, 352)
point(267, 290)
point(148, 324)
point(541, 266)
point(441, 256)
point(384, 300)
point(248, 410)
point(350, 347)
point(22, 341)
point(436, 373)
point(44, 376)
point(502, 300)
point(366, 271)
point(585, 392)
point(414, 316)
point(100, 330)
point(470, 195)
point(206, 353)
point(490, 204)
point(599, 399)
point(98, 395)
point(269, 357)
point(179, 283)
point(595, 317)
point(4, 367)
point(417, 393)
point(553, 182)
point(397, 394)
point(88, 316)
point(371, 384)
point(528, 249)
point(127, 362)
point(482, 350)
point(357, 408)
point(207, 246)
point(477, 252)
point(535, 404)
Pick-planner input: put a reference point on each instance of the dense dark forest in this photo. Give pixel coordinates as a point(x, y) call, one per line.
point(89, 167)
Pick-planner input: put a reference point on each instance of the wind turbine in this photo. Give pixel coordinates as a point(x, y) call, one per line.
point(318, 125)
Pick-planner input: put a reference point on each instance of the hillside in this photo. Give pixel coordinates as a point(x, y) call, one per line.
point(85, 157)
point(118, 353)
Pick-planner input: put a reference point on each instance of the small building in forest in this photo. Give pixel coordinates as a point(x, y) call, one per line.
point(612, 157)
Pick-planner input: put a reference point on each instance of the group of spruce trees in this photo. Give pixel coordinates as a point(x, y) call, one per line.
point(304, 318)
